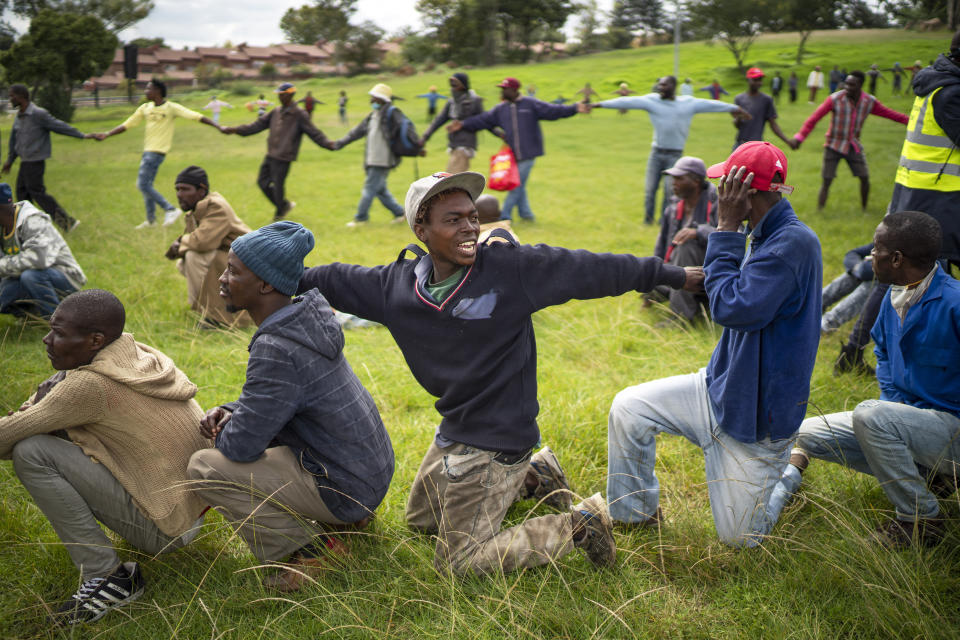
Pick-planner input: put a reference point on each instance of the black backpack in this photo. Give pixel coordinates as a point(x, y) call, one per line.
point(403, 137)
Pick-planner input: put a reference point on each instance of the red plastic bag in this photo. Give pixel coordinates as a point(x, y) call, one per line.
point(504, 175)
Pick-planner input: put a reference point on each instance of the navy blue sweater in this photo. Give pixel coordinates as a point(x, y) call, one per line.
point(301, 392)
point(521, 122)
point(759, 375)
point(476, 351)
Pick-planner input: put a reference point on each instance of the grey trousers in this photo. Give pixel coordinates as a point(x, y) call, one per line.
point(74, 493)
point(272, 502)
point(462, 494)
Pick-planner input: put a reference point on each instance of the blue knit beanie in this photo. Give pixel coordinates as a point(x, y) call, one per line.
point(275, 253)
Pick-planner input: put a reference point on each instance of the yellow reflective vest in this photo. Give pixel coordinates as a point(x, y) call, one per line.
point(929, 159)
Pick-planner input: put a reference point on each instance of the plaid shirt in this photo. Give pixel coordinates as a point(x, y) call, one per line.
point(847, 120)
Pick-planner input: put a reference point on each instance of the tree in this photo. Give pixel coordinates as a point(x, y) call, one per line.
point(857, 14)
point(359, 47)
point(268, 70)
point(116, 15)
point(630, 16)
point(59, 51)
point(322, 20)
point(465, 31)
point(143, 43)
point(908, 12)
point(803, 16)
point(588, 29)
point(732, 22)
point(520, 20)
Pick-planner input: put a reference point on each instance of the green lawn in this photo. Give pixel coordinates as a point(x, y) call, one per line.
point(819, 576)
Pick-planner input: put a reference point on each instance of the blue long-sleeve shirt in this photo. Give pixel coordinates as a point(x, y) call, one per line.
point(432, 98)
point(671, 118)
point(769, 306)
point(520, 120)
point(918, 360)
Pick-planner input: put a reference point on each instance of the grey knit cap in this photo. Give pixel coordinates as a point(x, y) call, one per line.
point(275, 253)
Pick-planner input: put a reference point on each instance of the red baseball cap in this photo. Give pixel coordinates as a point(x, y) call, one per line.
point(509, 83)
point(763, 159)
point(755, 72)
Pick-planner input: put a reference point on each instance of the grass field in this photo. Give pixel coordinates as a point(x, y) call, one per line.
point(819, 576)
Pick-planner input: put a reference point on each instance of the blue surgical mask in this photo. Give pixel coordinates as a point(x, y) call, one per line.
point(374, 105)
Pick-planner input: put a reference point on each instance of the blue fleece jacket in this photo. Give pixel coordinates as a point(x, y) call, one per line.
point(769, 306)
point(918, 361)
point(476, 351)
point(521, 122)
point(301, 392)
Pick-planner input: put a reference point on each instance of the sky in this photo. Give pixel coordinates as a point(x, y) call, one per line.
point(193, 23)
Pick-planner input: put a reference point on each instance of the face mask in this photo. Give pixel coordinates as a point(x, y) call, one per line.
point(375, 105)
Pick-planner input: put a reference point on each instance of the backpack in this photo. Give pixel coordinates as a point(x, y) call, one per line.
point(403, 139)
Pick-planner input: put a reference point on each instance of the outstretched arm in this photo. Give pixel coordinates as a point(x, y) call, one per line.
point(825, 107)
point(879, 109)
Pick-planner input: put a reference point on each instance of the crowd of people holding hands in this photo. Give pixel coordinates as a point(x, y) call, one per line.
point(300, 454)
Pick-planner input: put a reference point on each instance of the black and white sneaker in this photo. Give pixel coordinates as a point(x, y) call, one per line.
point(97, 596)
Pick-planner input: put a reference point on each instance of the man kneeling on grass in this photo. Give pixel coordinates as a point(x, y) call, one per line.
point(908, 439)
point(461, 315)
point(303, 450)
point(107, 440)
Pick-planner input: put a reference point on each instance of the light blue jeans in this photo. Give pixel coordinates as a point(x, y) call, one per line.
point(886, 440)
point(34, 290)
point(375, 186)
point(149, 165)
point(849, 294)
point(659, 161)
point(740, 476)
point(518, 197)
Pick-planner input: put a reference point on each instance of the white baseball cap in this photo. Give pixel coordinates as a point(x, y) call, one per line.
point(425, 188)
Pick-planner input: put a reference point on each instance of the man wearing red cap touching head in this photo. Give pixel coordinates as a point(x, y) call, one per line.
point(745, 407)
point(760, 107)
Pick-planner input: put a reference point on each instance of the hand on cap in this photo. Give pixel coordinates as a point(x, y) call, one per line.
point(734, 205)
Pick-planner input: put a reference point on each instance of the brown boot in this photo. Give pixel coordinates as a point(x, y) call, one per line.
point(309, 563)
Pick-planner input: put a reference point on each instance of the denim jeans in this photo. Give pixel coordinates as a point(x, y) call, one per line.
point(35, 291)
point(76, 494)
point(740, 476)
point(462, 494)
point(849, 294)
point(886, 440)
point(659, 161)
point(149, 165)
point(375, 186)
point(518, 197)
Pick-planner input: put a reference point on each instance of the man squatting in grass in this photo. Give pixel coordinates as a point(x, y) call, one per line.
point(210, 225)
point(461, 315)
point(304, 444)
point(106, 440)
point(670, 116)
point(287, 124)
point(159, 115)
point(745, 407)
point(37, 267)
point(908, 439)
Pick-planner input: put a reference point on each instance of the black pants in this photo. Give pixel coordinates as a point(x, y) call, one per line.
point(30, 187)
point(273, 174)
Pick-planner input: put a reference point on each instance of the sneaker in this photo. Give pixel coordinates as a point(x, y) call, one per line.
point(851, 359)
point(593, 518)
point(552, 485)
point(897, 535)
point(356, 223)
point(650, 523)
point(171, 216)
point(146, 224)
point(97, 596)
point(327, 553)
point(398, 219)
point(72, 224)
point(799, 459)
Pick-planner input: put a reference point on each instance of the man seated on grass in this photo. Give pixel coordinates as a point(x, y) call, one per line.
point(106, 440)
point(461, 315)
point(303, 447)
point(745, 407)
point(201, 252)
point(908, 438)
point(686, 224)
point(36, 265)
